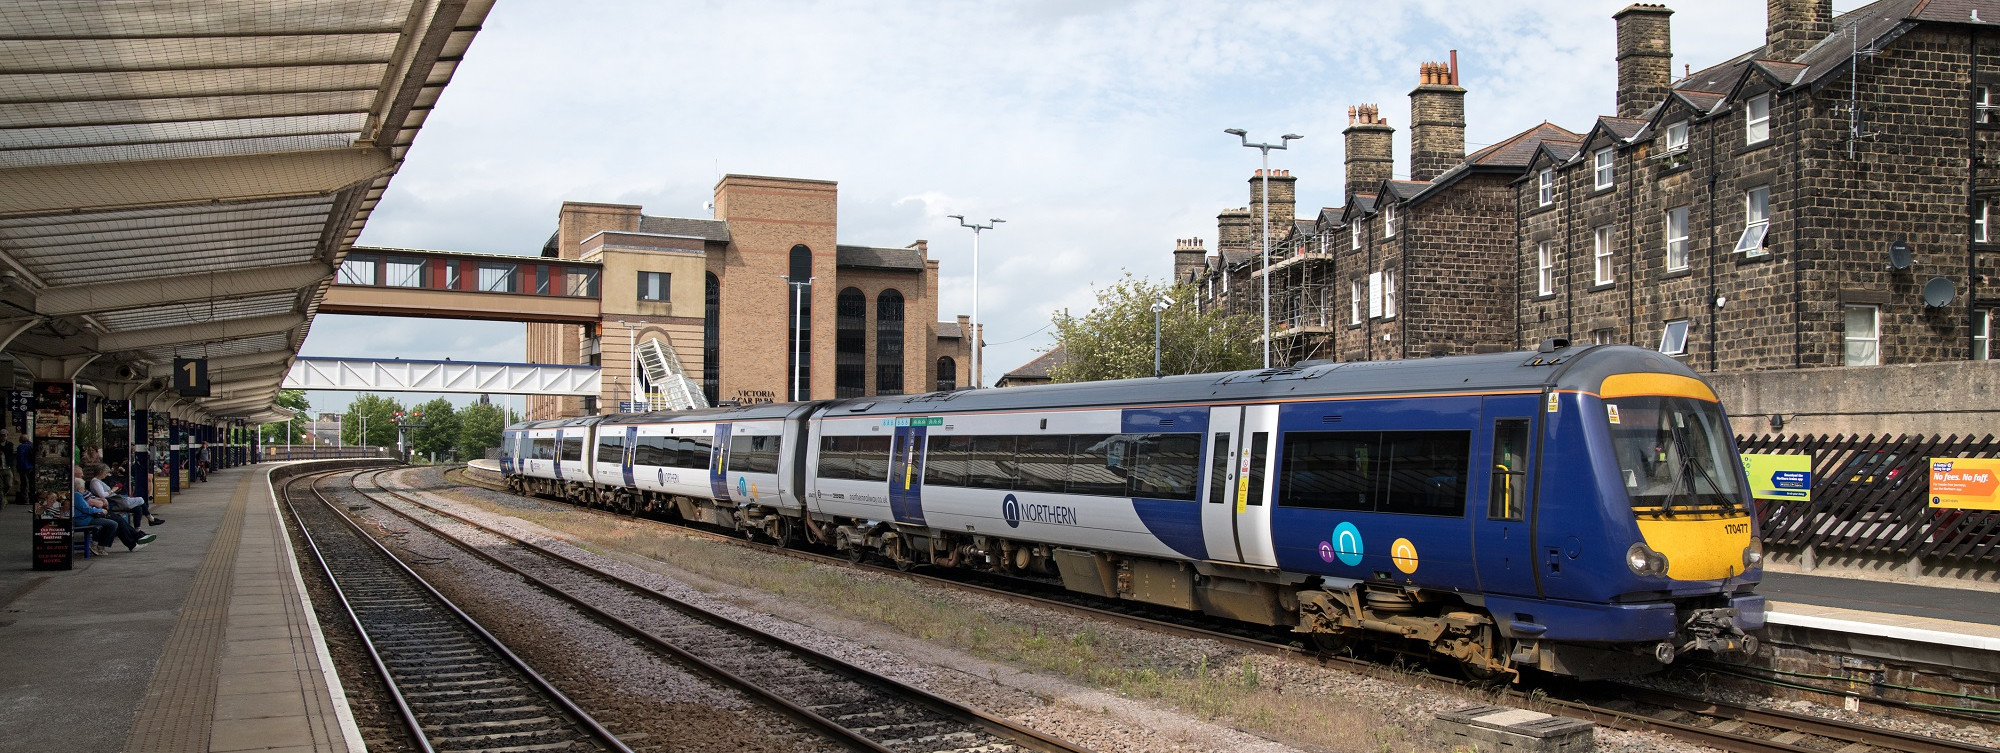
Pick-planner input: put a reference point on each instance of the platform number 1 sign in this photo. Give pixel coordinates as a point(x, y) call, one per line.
point(191, 377)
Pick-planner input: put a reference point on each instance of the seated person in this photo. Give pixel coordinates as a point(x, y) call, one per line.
point(98, 487)
point(90, 512)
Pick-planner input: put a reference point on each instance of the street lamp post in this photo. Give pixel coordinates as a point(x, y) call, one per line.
point(798, 312)
point(1159, 306)
point(1283, 142)
point(978, 343)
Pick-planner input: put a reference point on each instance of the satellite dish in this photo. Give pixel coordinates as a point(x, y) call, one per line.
point(1899, 254)
point(1939, 292)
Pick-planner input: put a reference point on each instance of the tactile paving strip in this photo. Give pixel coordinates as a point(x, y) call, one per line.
point(175, 716)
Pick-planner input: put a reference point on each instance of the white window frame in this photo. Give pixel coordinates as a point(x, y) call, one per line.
point(1675, 138)
point(1605, 336)
point(1604, 162)
point(1756, 221)
point(1545, 190)
point(1980, 214)
point(1374, 295)
point(1674, 337)
point(1849, 339)
point(1982, 335)
point(1388, 294)
point(1757, 119)
point(1602, 266)
point(1389, 221)
point(1358, 292)
point(1677, 239)
point(1354, 237)
point(1986, 111)
point(1545, 268)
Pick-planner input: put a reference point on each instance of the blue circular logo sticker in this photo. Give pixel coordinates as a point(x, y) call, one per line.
point(1347, 544)
point(742, 486)
point(1010, 508)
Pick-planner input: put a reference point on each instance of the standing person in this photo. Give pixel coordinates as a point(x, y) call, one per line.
point(24, 466)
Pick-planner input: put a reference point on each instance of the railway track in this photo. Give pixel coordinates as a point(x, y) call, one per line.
point(850, 704)
point(1720, 725)
point(456, 687)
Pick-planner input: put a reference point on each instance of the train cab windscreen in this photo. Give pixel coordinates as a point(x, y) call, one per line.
point(1673, 454)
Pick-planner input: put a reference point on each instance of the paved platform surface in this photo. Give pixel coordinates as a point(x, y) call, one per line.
point(200, 642)
point(1902, 599)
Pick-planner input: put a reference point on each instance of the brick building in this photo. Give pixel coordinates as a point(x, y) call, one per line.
point(1741, 217)
point(717, 292)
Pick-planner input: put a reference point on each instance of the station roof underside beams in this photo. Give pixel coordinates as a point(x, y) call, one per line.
point(181, 178)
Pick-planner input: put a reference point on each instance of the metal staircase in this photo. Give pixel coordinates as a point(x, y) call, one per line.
point(667, 384)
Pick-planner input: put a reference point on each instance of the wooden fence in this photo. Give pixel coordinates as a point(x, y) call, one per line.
point(1870, 500)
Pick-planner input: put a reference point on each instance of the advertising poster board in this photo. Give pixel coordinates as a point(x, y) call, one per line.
point(1779, 478)
point(55, 413)
point(1965, 483)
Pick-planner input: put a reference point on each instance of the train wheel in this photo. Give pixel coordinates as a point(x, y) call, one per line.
point(783, 532)
point(1336, 644)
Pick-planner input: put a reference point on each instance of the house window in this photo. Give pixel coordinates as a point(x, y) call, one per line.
point(1979, 213)
point(1756, 220)
point(1757, 119)
point(653, 286)
point(1677, 239)
point(1604, 168)
point(1545, 191)
point(1359, 290)
point(1602, 256)
point(1674, 339)
point(1374, 295)
point(1862, 337)
point(1605, 336)
point(1987, 106)
point(1545, 269)
point(1354, 238)
point(1389, 221)
point(1676, 140)
point(1389, 294)
point(1982, 333)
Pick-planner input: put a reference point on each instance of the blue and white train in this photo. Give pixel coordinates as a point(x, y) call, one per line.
point(1577, 510)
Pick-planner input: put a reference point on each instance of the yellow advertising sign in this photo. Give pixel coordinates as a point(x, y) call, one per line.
point(1965, 483)
point(1785, 478)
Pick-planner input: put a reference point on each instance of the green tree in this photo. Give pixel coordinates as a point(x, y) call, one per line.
point(378, 412)
point(479, 426)
point(274, 434)
point(1115, 339)
point(440, 429)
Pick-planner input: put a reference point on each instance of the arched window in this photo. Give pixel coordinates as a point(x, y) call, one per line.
point(947, 374)
point(798, 321)
point(889, 343)
point(711, 339)
point(850, 344)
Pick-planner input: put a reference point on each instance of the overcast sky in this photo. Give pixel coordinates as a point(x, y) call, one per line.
point(1093, 128)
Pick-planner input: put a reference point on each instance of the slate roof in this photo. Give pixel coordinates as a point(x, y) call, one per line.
point(951, 330)
point(1623, 128)
point(1517, 150)
point(1235, 256)
point(1564, 149)
point(1038, 369)
point(1403, 190)
point(708, 230)
point(869, 257)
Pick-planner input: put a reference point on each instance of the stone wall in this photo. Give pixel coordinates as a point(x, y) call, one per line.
point(1928, 398)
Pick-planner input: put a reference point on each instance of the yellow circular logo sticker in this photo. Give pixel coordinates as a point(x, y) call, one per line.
point(1404, 554)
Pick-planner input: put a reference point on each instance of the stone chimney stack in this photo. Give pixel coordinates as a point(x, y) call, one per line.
point(1794, 26)
point(1189, 259)
point(1645, 57)
point(1437, 120)
point(1235, 228)
point(1284, 205)
point(1371, 149)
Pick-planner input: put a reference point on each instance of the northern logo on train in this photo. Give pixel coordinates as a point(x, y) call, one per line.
point(1346, 544)
point(742, 486)
point(1010, 508)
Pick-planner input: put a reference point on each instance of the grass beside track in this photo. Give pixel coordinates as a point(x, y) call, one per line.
point(1247, 691)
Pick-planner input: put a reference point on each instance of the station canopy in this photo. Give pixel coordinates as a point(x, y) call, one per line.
point(181, 178)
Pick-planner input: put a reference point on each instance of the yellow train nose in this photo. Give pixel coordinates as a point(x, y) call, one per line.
point(1699, 547)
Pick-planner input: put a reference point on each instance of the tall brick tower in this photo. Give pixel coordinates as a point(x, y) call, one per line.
point(1284, 205)
point(1437, 120)
point(1371, 149)
point(1794, 26)
point(1645, 57)
point(1189, 259)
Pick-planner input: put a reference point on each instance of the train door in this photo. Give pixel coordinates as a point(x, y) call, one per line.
point(906, 469)
point(631, 449)
point(1235, 519)
point(1504, 500)
point(718, 463)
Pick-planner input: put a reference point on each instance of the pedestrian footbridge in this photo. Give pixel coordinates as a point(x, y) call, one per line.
point(360, 375)
point(440, 285)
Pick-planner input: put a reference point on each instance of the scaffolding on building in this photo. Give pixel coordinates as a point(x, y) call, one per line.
point(1302, 298)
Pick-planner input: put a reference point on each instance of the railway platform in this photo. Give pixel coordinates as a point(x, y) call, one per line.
point(201, 641)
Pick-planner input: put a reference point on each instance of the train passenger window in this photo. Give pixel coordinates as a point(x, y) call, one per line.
point(871, 458)
point(695, 452)
point(945, 461)
point(1328, 470)
point(611, 447)
point(1260, 448)
point(1165, 466)
point(1218, 469)
point(544, 447)
point(651, 451)
point(753, 454)
point(991, 465)
point(1098, 464)
point(1043, 462)
point(1508, 494)
point(572, 448)
point(1425, 472)
point(836, 457)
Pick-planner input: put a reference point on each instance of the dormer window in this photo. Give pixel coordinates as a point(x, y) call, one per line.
point(1675, 138)
point(1604, 173)
point(1547, 186)
point(1757, 119)
point(1354, 237)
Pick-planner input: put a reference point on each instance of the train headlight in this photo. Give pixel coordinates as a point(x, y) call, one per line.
point(1644, 561)
point(1753, 555)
